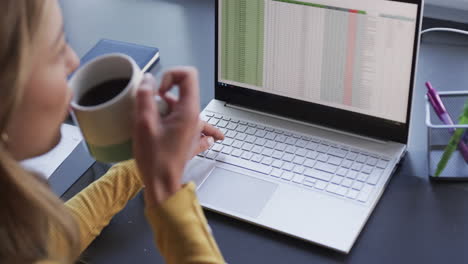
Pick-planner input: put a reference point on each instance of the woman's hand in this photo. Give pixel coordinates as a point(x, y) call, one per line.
point(208, 133)
point(163, 145)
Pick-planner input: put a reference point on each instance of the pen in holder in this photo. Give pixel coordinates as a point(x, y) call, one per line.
point(439, 135)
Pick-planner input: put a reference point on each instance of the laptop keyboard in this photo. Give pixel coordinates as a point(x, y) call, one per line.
point(309, 161)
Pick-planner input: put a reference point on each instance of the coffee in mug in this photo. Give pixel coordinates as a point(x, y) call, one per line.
point(103, 92)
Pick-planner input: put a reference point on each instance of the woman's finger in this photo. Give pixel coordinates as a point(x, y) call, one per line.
point(170, 100)
point(209, 130)
point(146, 115)
point(149, 79)
point(145, 128)
point(186, 78)
point(205, 143)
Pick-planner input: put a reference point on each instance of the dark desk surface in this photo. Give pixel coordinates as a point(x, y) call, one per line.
point(416, 221)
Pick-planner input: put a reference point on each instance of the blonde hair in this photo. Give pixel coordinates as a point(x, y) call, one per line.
point(28, 209)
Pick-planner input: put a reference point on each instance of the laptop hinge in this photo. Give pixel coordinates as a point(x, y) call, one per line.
point(243, 108)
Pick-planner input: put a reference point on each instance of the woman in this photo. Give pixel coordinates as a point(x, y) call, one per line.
point(35, 227)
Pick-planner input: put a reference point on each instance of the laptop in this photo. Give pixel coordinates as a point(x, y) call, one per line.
point(314, 98)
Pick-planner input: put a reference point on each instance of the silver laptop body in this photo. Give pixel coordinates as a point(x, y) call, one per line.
point(278, 167)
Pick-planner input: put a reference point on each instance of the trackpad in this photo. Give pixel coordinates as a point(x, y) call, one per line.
point(236, 192)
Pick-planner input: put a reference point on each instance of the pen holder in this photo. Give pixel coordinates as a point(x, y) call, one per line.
point(439, 134)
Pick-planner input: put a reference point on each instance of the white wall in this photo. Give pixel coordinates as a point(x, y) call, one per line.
point(451, 10)
point(457, 4)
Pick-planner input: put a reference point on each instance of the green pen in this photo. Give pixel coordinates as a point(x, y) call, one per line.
point(453, 143)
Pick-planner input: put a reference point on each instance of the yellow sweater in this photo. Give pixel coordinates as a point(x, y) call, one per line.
point(180, 228)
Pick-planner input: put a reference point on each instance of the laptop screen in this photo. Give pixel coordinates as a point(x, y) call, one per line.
point(350, 57)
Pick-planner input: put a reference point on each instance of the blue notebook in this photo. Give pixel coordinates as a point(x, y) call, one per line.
point(146, 57)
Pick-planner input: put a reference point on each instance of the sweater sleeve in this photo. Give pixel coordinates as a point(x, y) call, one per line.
point(179, 225)
point(181, 231)
point(94, 207)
